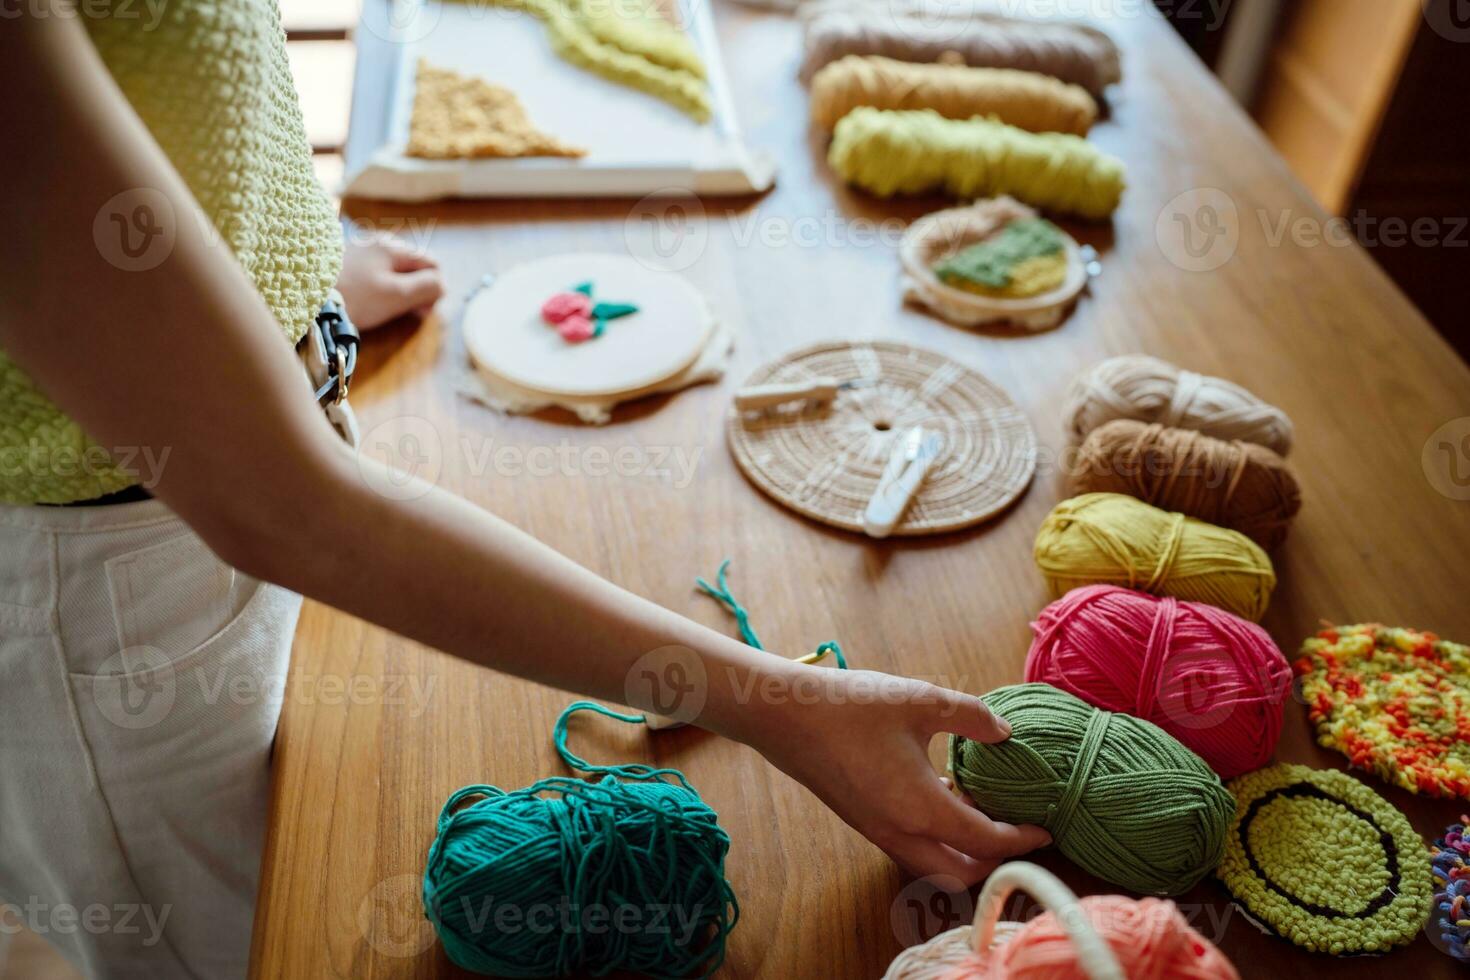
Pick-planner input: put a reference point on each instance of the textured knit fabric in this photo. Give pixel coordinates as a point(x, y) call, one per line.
point(211, 82)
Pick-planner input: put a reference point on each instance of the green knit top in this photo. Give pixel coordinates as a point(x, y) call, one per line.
point(210, 80)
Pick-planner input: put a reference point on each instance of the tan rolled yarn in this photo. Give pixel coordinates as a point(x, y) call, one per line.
point(1147, 389)
point(1237, 485)
point(1073, 52)
point(1025, 99)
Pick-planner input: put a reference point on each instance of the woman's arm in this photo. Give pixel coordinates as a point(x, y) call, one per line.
point(186, 357)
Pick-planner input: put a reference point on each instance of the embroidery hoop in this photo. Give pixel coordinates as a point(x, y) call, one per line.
point(507, 338)
point(824, 459)
point(937, 236)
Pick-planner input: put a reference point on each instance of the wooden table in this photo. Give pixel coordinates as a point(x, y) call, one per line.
point(377, 731)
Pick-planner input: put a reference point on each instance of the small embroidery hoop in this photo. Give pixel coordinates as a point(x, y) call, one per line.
point(824, 459)
point(506, 337)
point(938, 957)
point(938, 236)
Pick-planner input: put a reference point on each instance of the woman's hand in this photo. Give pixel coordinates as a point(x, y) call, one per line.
point(383, 279)
point(859, 741)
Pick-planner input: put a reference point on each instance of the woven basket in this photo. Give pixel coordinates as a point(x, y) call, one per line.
point(824, 460)
point(938, 957)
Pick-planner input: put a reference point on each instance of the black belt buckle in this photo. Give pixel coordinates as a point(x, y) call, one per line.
point(340, 339)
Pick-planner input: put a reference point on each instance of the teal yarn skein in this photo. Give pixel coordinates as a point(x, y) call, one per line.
point(567, 876)
point(1121, 797)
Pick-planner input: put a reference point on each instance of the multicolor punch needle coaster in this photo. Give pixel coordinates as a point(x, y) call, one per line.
point(1394, 701)
point(1325, 862)
point(1450, 867)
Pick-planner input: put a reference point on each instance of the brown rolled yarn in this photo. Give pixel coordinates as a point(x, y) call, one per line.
point(1075, 53)
point(1027, 99)
point(1238, 485)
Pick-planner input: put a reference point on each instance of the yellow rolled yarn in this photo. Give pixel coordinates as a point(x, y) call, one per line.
point(1027, 99)
point(1110, 539)
point(888, 151)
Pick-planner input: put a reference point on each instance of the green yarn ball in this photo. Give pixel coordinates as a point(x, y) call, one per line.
point(568, 877)
point(1120, 796)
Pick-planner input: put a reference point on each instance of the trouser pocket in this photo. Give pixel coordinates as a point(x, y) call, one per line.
point(180, 737)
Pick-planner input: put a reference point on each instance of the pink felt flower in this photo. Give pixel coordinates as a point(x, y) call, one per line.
point(563, 305)
point(575, 328)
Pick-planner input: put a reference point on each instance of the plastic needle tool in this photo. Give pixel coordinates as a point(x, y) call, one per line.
point(913, 454)
point(818, 389)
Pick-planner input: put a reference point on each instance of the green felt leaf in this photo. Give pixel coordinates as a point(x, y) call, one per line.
point(584, 288)
point(611, 311)
point(598, 326)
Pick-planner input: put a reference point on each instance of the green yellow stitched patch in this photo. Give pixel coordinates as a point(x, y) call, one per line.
point(1325, 862)
point(1394, 701)
point(1025, 258)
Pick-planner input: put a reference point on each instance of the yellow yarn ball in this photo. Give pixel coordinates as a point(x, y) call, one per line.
point(887, 152)
point(1111, 539)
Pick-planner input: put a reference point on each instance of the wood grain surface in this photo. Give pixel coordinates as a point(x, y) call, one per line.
point(377, 731)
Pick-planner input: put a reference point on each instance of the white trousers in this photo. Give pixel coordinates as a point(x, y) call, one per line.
point(141, 679)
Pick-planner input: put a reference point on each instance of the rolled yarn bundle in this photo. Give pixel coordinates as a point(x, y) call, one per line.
point(1072, 52)
point(887, 152)
point(1239, 485)
point(1110, 539)
point(1147, 389)
point(1025, 99)
point(1121, 797)
point(1212, 680)
point(641, 838)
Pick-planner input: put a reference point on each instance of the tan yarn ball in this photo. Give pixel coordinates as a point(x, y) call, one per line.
point(1239, 485)
point(1073, 52)
point(1025, 99)
point(1112, 539)
point(1147, 389)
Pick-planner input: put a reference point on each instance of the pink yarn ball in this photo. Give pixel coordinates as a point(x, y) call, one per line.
point(1149, 937)
point(563, 305)
point(1209, 678)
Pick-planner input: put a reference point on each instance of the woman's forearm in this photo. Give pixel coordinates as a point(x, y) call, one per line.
point(460, 579)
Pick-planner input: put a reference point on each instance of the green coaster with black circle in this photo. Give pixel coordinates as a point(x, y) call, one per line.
point(1322, 860)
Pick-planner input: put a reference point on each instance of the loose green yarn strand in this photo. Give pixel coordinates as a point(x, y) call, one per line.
point(720, 592)
point(630, 770)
